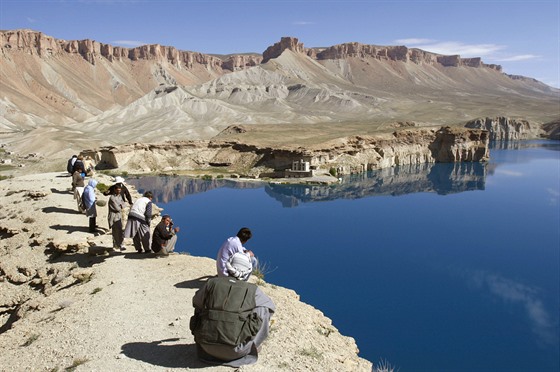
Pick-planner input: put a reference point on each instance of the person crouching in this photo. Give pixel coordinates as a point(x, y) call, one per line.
point(230, 322)
point(164, 236)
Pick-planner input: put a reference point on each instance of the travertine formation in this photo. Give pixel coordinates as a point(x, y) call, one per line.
point(345, 155)
point(506, 129)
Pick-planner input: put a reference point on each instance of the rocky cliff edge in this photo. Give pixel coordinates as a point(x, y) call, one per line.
point(65, 302)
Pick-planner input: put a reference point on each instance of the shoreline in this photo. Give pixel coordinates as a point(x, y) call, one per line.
point(63, 301)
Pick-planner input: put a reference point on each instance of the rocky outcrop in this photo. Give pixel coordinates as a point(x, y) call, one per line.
point(552, 130)
point(240, 62)
point(37, 43)
point(349, 155)
point(505, 129)
point(399, 53)
point(290, 43)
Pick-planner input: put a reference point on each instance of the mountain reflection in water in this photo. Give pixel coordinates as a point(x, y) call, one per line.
point(437, 178)
point(436, 279)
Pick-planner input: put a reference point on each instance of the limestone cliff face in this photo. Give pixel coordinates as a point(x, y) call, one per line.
point(348, 155)
point(398, 53)
point(386, 53)
point(505, 129)
point(37, 43)
point(552, 130)
point(240, 62)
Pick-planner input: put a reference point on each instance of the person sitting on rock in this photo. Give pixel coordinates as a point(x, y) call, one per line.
point(231, 246)
point(230, 322)
point(164, 236)
point(239, 266)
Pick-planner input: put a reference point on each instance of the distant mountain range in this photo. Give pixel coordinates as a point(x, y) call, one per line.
point(58, 95)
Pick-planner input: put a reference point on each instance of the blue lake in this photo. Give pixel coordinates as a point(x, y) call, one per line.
point(436, 267)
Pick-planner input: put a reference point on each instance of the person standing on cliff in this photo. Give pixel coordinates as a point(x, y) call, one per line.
point(232, 246)
point(125, 194)
point(138, 224)
point(114, 218)
point(79, 162)
point(78, 185)
point(89, 199)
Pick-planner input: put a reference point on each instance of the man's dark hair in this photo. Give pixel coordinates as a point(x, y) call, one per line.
point(244, 234)
point(148, 194)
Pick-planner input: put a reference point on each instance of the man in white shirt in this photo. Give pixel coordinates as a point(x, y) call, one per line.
point(232, 246)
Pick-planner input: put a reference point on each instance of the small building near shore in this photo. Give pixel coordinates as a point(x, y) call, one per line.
point(300, 168)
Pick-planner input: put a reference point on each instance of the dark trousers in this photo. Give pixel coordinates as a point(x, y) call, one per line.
point(92, 225)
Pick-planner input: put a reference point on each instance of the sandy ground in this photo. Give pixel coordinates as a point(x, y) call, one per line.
point(65, 304)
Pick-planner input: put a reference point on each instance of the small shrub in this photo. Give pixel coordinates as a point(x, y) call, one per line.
point(102, 187)
point(261, 270)
point(325, 331)
point(383, 366)
point(207, 177)
point(96, 290)
point(77, 362)
point(28, 220)
point(30, 340)
point(333, 172)
point(311, 352)
point(220, 176)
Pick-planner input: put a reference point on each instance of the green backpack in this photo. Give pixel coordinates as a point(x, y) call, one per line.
point(227, 317)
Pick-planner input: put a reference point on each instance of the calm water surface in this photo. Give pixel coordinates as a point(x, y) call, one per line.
point(433, 267)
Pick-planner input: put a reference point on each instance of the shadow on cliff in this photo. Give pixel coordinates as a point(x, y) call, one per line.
point(60, 210)
point(194, 283)
point(165, 355)
point(85, 229)
point(65, 191)
point(81, 259)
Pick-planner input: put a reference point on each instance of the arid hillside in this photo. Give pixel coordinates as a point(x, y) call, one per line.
point(58, 97)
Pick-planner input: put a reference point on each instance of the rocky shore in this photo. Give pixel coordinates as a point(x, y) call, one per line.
point(66, 302)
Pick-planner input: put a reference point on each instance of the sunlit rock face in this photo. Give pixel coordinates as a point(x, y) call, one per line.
point(346, 155)
point(505, 129)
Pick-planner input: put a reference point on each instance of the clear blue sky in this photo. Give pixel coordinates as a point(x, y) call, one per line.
point(522, 36)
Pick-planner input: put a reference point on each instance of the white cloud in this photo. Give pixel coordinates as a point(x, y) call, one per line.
point(464, 50)
point(128, 43)
point(303, 23)
point(554, 196)
point(517, 293)
point(509, 173)
point(31, 20)
point(521, 57)
point(451, 47)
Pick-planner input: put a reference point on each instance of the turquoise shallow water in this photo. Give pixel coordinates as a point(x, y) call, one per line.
point(434, 267)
